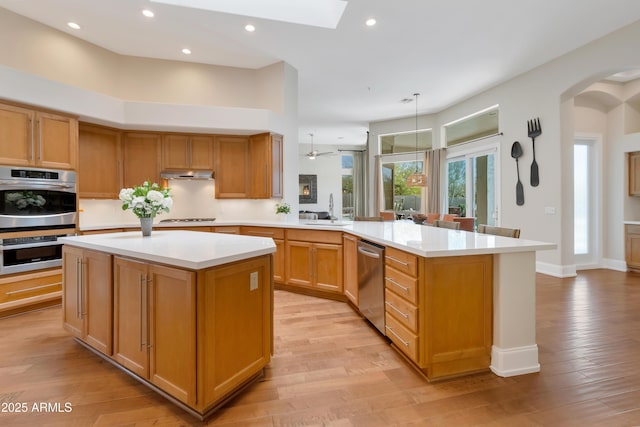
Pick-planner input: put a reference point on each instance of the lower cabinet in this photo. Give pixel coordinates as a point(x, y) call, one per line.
point(155, 325)
point(29, 291)
point(439, 311)
point(314, 260)
point(277, 234)
point(87, 297)
point(632, 246)
point(350, 267)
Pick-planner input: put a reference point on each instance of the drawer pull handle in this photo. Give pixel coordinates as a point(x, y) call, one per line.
point(406, 316)
point(35, 288)
point(261, 233)
point(406, 344)
point(406, 264)
point(397, 284)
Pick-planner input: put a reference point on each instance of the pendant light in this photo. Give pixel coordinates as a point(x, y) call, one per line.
point(417, 179)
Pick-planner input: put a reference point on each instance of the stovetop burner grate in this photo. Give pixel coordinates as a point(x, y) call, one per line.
point(188, 220)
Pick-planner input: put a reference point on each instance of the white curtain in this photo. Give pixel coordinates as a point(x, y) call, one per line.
point(434, 167)
point(377, 186)
point(359, 183)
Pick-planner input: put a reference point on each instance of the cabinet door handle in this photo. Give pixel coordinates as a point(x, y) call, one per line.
point(82, 290)
point(397, 310)
point(406, 264)
point(265, 179)
point(262, 233)
point(397, 284)
point(141, 283)
point(406, 344)
point(39, 126)
point(34, 288)
point(32, 146)
point(78, 288)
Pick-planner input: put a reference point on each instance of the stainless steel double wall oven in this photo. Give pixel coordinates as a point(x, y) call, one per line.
point(36, 207)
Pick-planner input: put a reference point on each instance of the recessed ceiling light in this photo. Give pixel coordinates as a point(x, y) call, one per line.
point(73, 25)
point(148, 13)
point(186, 51)
point(250, 28)
point(370, 22)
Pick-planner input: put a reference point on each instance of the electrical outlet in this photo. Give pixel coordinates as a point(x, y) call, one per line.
point(550, 210)
point(253, 281)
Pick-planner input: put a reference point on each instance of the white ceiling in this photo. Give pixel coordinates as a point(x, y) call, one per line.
point(447, 50)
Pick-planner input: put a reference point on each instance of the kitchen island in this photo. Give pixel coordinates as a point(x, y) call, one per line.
point(187, 313)
point(496, 327)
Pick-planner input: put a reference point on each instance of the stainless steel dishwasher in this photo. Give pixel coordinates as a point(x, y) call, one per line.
point(371, 283)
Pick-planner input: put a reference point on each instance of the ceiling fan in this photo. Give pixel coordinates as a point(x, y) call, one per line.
point(314, 153)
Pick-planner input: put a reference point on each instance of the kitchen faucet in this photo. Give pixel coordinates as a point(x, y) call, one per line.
point(331, 217)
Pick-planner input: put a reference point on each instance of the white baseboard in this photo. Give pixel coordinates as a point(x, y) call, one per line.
point(556, 270)
point(509, 362)
point(614, 264)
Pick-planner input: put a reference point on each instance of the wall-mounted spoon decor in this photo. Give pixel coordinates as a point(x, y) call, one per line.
point(533, 130)
point(516, 152)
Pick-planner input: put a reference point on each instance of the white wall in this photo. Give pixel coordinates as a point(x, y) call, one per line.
point(547, 92)
point(329, 174)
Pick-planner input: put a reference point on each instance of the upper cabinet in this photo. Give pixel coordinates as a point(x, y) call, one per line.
point(34, 138)
point(265, 157)
point(100, 168)
point(634, 173)
point(141, 158)
point(187, 152)
point(232, 156)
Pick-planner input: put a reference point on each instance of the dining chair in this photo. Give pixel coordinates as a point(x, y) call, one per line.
point(431, 217)
point(448, 217)
point(447, 224)
point(499, 231)
point(388, 215)
point(369, 218)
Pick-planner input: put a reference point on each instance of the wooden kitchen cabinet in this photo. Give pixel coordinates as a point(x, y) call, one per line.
point(29, 291)
point(100, 168)
point(277, 234)
point(192, 152)
point(155, 325)
point(350, 267)
point(141, 158)
point(231, 171)
point(87, 297)
point(632, 246)
point(634, 173)
point(314, 260)
point(265, 166)
point(35, 138)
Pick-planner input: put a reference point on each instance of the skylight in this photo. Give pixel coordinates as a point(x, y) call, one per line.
point(317, 13)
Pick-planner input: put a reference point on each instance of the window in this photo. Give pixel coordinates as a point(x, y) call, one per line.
point(476, 126)
point(347, 186)
point(405, 142)
point(397, 196)
point(586, 202)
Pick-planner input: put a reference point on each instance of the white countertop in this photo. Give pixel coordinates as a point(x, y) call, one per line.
point(421, 240)
point(187, 249)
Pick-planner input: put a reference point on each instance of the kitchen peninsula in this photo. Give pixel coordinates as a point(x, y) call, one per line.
point(187, 313)
point(466, 301)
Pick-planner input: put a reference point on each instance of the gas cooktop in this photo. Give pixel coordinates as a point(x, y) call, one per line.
point(188, 220)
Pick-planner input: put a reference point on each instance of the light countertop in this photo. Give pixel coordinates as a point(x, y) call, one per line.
point(421, 240)
point(187, 249)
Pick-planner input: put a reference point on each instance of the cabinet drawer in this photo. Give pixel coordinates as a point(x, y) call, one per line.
point(315, 236)
point(402, 261)
point(401, 310)
point(402, 284)
point(226, 230)
point(274, 233)
point(632, 228)
point(15, 288)
point(406, 341)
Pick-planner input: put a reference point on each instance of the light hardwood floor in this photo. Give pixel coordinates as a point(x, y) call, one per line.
point(332, 369)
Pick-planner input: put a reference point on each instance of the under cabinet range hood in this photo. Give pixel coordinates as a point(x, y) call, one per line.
point(186, 174)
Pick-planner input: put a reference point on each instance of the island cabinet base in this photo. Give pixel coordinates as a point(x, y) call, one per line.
point(439, 312)
point(196, 337)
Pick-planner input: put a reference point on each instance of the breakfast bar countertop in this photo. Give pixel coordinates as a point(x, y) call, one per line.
point(421, 240)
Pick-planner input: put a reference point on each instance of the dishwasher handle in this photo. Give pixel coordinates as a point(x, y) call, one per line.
point(368, 252)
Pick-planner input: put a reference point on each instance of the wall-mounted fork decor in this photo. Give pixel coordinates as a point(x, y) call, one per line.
point(534, 130)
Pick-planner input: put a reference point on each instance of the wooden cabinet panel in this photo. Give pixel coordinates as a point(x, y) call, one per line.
point(402, 284)
point(187, 152)
point(318, 236)
point(314, 265)
point(26, 291)
point(130, 317)
point(260, 166)
point(401, 261)
point(404, 339)
point(404, 312)
point(16, 138)
point(141, 158)
point(172, 331)
point(279, 261)
point(231, 172)
point(57, 141)
point(634, 173)
point(53, 143)
point(632, 246)
point(277, 170)
point(274, 233)
point(350, 267)
point(299, 264)
point(328, 267)
point(87, 297)
point(100, 168)
point(226, 229)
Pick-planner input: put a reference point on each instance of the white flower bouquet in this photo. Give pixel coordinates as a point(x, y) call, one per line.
point(147, 200)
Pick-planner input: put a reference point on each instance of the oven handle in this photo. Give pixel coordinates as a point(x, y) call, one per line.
point(24, 186)
point(30, 245)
